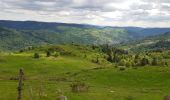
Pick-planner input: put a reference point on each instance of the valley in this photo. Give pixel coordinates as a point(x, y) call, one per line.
point(83, 62)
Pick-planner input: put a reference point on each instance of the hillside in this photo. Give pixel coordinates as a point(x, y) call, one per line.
point(158, 42)
point(14, 39)
point(21, 34)
point(47, 75)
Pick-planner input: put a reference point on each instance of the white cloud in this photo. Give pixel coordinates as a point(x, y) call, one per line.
point(153, 13)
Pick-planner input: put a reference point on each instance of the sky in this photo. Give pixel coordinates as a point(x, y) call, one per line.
point(141, 13)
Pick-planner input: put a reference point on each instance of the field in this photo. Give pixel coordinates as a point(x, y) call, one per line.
point(48, 75)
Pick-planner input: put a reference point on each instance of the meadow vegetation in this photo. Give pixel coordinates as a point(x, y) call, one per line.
point(85, 72)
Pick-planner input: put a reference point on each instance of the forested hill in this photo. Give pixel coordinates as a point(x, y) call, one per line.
point(15, 35)
point(13, 39)
point(158, 42)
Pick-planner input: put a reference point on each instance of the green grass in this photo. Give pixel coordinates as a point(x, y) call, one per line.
point(106, 82)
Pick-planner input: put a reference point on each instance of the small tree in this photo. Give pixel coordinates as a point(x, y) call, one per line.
point(110, 55)
point(144, 61)
point(48, 53)
point(154, 61)
point(36, 55)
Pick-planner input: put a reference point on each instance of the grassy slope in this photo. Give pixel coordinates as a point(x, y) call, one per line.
point(110, 83)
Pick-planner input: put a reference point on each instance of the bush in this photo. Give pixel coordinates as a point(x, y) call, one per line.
point(122, 68)
point(122, 62)
point(14, 78)
point(144, 61)
point(96, 60)
point(128, 64)
point(57, 54)
point(154, 62)
point(48, 53)
point(36, 55)
point(164, 63)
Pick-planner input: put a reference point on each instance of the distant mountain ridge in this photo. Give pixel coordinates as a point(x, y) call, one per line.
point(15, 35)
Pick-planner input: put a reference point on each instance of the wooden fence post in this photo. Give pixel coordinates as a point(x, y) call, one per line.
point(21, 83)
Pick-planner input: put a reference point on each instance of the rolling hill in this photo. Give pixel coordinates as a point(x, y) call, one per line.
point(15, 35)
point(158, 42)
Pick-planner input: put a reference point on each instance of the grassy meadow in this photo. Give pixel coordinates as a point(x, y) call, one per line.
point(48, 75)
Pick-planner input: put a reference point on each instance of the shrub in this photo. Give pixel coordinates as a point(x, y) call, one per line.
point(128, 64)
point(57, 54)
point(144, 61)
point(21, 51)
point(164, 63)
point(85, 56)
point(14, 78)
point(122, 62)
point(122, 68)
point(154, 61)
point(96, 60)
point(48, 53)
point(36, 55)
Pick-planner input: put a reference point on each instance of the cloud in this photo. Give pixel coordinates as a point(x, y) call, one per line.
point(156, 1)
point(100, 12)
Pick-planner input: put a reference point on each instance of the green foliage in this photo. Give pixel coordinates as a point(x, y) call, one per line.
point(73, 63)
point(56, 54)
point(122, 62)
point(48, 53)
point(105, 81)
point(155, 43)
point(12, 39)
point(144, 61)
point(154, 61)
point(36, 55)
point(121, 68)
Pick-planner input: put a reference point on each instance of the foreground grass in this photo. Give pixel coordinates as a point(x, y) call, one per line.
point(107, 83)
